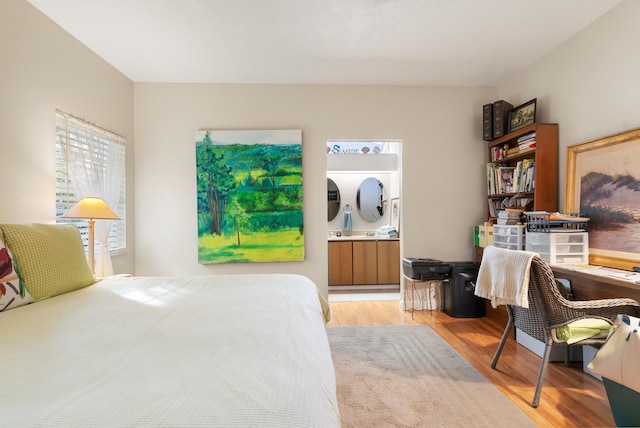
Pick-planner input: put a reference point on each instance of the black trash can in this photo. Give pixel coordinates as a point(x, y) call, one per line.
point(459, 299)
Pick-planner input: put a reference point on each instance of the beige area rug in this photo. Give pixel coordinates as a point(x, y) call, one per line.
point(408, 376)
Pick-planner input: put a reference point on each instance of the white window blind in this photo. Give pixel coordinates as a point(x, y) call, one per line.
point(90, 161)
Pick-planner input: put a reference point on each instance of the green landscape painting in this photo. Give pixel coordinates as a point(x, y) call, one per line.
point(249, 196)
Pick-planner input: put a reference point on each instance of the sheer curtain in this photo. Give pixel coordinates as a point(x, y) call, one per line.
point(96, 167)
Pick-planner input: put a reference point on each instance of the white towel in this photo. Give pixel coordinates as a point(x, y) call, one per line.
point(503, 277)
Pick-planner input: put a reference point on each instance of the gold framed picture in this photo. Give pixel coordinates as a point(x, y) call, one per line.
point(603, 183)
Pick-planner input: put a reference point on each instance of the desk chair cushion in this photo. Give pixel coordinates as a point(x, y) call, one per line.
point(583, 329)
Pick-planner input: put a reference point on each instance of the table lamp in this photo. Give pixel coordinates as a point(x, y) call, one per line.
point(92, 209)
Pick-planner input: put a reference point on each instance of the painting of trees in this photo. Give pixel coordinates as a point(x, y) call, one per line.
point(249, 193)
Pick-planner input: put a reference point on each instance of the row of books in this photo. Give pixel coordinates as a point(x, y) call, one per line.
point(525, 143)
point(495, 205)
point(524, 175)
point(527, 137)
point(499, 152)
point(493, 171)
point(509, 216)
point(511, 179)
point(508, 204)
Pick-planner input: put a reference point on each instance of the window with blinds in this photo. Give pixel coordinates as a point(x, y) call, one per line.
point(90, 161)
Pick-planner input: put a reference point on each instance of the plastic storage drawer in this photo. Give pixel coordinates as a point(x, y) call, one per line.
point(510, 237)
point(559, 247)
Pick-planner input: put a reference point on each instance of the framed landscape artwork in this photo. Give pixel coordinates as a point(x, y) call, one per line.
point(603, 183)
point(249, 196)
point(523, 115)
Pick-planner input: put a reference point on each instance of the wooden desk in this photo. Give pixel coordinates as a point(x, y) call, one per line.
point(587, 286)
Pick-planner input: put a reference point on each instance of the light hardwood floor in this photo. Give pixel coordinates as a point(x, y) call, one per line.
point(570, 397)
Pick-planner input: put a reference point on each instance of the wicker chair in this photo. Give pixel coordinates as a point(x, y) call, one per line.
point(549, 310)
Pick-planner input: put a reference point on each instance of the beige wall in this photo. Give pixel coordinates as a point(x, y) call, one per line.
point(442, 173)
point(590, 85)
point(44, 68)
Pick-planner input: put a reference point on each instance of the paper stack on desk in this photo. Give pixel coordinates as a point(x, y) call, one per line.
point(606, 271)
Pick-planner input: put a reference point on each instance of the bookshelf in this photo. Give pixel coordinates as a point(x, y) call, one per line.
point(538, 190)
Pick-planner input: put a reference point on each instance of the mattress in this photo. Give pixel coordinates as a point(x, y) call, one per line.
point(214, 351)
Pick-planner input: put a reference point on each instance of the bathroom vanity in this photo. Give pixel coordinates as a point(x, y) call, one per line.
point(363, 260)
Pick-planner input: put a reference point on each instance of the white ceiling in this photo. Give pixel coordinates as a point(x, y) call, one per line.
point(397, 42)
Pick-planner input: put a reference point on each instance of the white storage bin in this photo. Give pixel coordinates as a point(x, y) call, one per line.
point(508, 229)
point(510, 237)
point(559, 247)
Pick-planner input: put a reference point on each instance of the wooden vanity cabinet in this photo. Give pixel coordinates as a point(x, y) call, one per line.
point(340, 263)
point(388, 262)
point(364, 262)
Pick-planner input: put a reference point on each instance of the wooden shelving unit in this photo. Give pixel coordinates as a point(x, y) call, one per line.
point(545, 156)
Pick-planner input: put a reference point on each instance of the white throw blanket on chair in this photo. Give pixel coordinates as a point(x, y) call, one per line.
point(503, 277)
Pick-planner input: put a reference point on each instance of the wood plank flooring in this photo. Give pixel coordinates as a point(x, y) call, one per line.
point(570, 397)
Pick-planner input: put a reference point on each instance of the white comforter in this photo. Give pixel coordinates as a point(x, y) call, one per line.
point(207, 351)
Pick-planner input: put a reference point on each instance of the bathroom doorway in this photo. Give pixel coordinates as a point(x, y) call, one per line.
point(364, 207)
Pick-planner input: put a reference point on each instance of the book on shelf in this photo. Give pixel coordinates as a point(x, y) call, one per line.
point(515, 208)
point(507, 221)
point(499, 152)
point(527, 144)
point(530, 149)
point(530, 179)
point(523, 175)
point(506, 216)
point(513, 205)
point(494, 206)
point(510, 214)
point(528, 136)
point(492, 178)
point(506, 179)
point(521, 202)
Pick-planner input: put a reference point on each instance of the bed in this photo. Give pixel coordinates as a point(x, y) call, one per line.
point(220, 351)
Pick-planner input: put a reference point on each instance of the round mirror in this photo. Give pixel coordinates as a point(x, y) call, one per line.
point(333, 199)
point(370, 199)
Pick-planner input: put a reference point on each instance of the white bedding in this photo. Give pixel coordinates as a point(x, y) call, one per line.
point(204, 351)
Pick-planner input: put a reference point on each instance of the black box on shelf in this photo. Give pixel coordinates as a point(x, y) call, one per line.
point(501, 111)
point(487, 122)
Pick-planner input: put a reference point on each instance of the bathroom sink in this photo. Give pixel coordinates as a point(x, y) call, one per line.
point(359, 235)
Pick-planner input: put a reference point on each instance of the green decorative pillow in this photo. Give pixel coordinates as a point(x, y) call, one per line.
point(49, 258)
point(12, 291)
